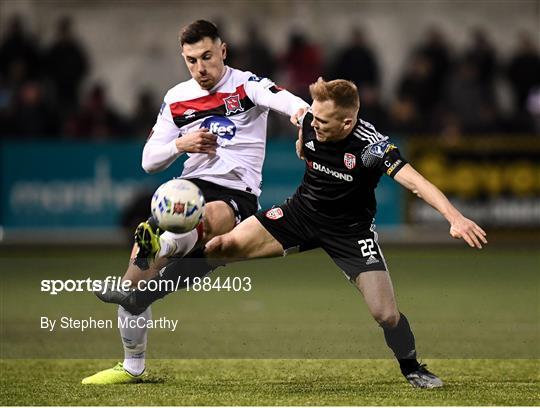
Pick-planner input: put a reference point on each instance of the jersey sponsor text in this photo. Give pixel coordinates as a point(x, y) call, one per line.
point(334, 173)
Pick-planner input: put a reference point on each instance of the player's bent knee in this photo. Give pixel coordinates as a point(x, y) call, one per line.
point(213, 248)
point(231, 246)
point(218, 220)
point(387, 319)
point(223, 246)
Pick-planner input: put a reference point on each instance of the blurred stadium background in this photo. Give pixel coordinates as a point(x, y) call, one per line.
point(456, 84)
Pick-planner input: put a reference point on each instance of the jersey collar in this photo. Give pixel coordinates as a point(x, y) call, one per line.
point(223, 79)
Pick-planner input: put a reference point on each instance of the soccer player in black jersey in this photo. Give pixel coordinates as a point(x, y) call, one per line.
point(334, 209)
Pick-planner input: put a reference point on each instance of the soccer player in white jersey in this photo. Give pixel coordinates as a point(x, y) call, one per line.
point(218, 118)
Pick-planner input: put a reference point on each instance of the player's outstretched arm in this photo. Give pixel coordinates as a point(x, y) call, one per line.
point(264, 92)
point(460, 226)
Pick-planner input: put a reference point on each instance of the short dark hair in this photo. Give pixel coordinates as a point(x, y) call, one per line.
point(198, 30)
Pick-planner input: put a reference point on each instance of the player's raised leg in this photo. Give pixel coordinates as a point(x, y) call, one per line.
point(219, 218)
point(378, 292)
point(248, 240)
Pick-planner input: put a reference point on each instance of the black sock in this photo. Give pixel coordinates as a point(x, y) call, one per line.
point(175, 276)
point(401, 340)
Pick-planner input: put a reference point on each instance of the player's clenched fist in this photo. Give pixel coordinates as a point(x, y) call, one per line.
point(296, 119)
point(197, 141)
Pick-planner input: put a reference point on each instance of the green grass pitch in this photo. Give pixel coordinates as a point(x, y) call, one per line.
point(301, 336)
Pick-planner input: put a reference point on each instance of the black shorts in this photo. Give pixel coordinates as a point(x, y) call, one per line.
point(353, 249)
point(243, 204)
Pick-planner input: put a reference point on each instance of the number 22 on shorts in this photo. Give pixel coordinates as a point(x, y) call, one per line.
point(367, 247)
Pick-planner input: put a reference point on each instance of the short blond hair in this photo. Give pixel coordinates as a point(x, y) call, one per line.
point(343, 93)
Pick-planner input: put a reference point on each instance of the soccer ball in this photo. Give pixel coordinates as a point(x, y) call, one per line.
point(178, 206)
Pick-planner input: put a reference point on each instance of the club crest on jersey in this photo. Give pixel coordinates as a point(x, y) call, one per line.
point(379, 149)
point(190, 113)
point(274, 213)
point(350, 160)
point(233, 104)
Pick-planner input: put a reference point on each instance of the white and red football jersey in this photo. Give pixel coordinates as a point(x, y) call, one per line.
point(236, 111)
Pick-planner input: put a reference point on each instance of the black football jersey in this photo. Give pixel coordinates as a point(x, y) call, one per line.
point(340, 178)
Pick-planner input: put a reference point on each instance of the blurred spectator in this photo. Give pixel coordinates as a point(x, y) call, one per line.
point(32, 116)
point(96, 119)
point(433, 93)
point(450, 128)
point(481, 54)
point(5, 105)
point(67, 66)
point(437, 53)
point(404, 117)
point(533, 107)
point(357, 62)
point(416, 85)
point(302, 63)
point(524, 70)
point(233, 58)
point(469, 101)
point(371, 108)
point(256, 56)
point(19, 54)
point(145, 114)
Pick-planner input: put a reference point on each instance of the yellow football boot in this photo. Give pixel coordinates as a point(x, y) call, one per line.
point(115, 375)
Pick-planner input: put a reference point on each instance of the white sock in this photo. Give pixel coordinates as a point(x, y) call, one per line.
point(134, 339)
point(177, 244)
